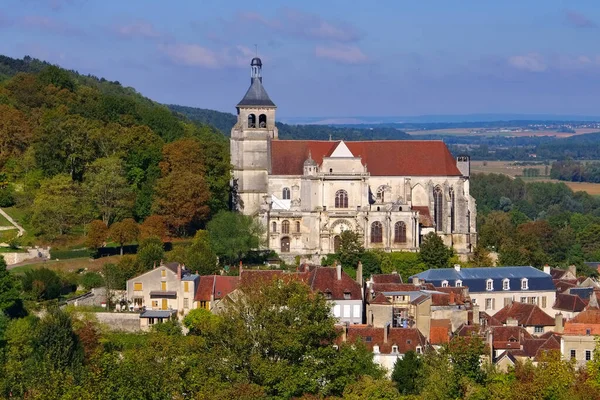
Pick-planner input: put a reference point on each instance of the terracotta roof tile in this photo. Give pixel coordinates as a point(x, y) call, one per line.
point(382, 157)
point(216, 286)
point(563, 285)
point(325, 280)
point(509, 337)
point(568, 302)
point(525, 314)
point(439, 331)
point(405, 338)
point(400, 287)
point(380, 299)
point(387, 278)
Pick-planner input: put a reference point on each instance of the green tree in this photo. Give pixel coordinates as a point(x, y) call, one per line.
point(233, 235)
point(150, 252)
point(199, 256)
point(58, 207)
point(58, 345)
point(406, 373)
point(92, 280)
point(42, 284)
point(433, 252)
point(53, 75)
point(106, 187)
point(126, 231)
point(201, 322)
point(371, 389)
point(350, 248)
point(481, 257)
point(10, 301)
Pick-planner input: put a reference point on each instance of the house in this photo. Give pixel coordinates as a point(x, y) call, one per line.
point(528, 316)
point(387, 344)
point(533, 349)
point(168, 288)
point(580, 333)
point(212, 289)
point(569, 305)
point(495, 287)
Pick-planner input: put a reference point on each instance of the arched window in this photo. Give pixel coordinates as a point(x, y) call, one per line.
point(274, 227)
point(341, 199)
point(437, 208)
point(262, 121)
point(376, 232)
point(286, 193)
point(400, 232)
point(298, 226)
point(251, 121)
point(285, 227)
point(452, 213)
point(337, 241)
point(285, 245)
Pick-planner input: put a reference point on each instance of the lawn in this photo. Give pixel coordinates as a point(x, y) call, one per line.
point(72, 265)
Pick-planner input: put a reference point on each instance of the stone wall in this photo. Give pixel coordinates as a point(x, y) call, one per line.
point(32, 253)
point(128, 322)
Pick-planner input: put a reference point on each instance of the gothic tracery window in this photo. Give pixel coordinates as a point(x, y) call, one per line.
point(452, 211)
point(341, 199)
point(400, 232)
point(286, 193)
point(274, 227)
point(376, 232)
point(437, 208)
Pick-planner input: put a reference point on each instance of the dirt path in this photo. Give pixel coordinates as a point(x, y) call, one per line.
point(13, 222)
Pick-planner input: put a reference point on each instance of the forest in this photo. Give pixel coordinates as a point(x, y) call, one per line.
point(576, 171)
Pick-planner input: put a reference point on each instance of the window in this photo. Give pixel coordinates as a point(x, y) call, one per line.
point(286, 193)
point(458, 283)
point(489, 304)
point(524, 284)
point(298, 226)
point(437, 208)
point(186, 286)
point(328, 295)
point(419, 350)
point(186, 303)
point(154, 303)
point(368, 339)
point(356, 312)
point(163, 286)
point(336, 311)
point(489, 284)
point(150, 321)
point(285, 227)
point(137, 286)
point(262, 121)
point(376, 232)
point(346, 311)
point(274, 227)
point(381, 194)
point(523, 299)
point(444, 283)
point(204, 305)
point(163, 273)
point(251, 121)
point(394, 349)
point(588, 355)
point(588, 331)
point(400, 232)
point(544, 301)
point(452, 214)
point(506, 284)
point(573, 354)
point(538, 329)
point(347, 295)
point(507, 301)
point(341, 199)
point(533, 300)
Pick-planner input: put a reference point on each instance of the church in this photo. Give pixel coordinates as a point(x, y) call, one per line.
point(307, 192)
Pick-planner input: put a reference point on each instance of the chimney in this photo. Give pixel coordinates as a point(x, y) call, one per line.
point(338, 269)
point(415, 280)
point(359, 274)
point(547, 269)
point(512, 322)
point(457, 267)
point(593, 301)
point(344, 332)
point(386, 330)
point(452, 300)
point(241, 268)
point(179, 271)
point(475, 314)
point(573, 270)
point(558, 323)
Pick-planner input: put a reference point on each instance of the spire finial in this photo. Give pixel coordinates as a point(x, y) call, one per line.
point(330, 139)
point(309, 155)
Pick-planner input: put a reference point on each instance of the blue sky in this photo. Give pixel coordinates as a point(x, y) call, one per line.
point(328, 58)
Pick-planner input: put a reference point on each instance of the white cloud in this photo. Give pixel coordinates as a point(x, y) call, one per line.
point(138, 29)
point(533, 62)
point(341, 54)
point(199, 56)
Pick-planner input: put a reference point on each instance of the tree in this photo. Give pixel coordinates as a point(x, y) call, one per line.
point(481, 257)
point(92, 280)
point(107, 188)
point(42, 284)
point(232, 235)
point(58, 207)
point(433, 252)
point(10, 301)
point(154, 226)
point(15, 133)
point(371, 389)
point(97, 234)
point(350, 248)
point(150, 252)
point(197, 257)
point(126, 231)
point(201, 322)
point(58, 345)
point(406, 373)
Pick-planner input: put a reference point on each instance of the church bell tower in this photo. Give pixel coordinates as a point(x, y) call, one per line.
point(251, 144)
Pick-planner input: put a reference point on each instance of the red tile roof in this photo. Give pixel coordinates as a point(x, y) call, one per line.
point(525, 314)
point(250, 277)
point(325, 280)
point(509, 337)
point(405, 338)
point(439, 331)
point(564, 285)
point(215, 285)
point(380, 299)
point(382, 157)
point(568, 302)
point(400, 287)
point(386, 278)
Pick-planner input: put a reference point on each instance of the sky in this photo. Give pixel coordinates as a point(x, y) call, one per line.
point(334, 58)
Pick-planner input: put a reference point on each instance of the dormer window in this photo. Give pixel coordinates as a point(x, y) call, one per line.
point(458, 283)
point(419, 350)
point(395, 349)
point(489, 284)
point(505, 284)
point(376, 349)
point(347, 295)
point(524, 284)
point(328, 294)
point(444, 283)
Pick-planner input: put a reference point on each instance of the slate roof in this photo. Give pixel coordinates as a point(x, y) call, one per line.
point(382, 157)
point(525, 314)
point(405, 338)
point(256, 96)
point(157, 313)
point(475, 278)
point(325, 280)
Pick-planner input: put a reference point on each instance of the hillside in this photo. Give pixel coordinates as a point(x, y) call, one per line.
point(225, 121)
point(76, 148)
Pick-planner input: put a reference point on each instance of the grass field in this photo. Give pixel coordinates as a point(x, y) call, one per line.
point(508, 168)
point(71, 265)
